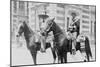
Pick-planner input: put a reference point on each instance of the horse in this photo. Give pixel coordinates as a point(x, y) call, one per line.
point(31, 37)
point(61, 42)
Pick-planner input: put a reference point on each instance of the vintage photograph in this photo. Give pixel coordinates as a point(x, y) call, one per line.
point(52, 33)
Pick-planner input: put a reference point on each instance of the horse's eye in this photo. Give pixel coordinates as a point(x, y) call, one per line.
point(49, 24)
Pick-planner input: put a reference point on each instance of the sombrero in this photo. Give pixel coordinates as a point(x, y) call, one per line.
point(43, 16)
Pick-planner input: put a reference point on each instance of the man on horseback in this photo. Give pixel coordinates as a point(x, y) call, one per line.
point(75, 25)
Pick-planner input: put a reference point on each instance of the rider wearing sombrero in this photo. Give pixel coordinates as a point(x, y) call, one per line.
point(75, 25)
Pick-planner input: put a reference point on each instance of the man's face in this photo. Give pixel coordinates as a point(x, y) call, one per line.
point(73, 15)
point(43, 23)
point(41, 20)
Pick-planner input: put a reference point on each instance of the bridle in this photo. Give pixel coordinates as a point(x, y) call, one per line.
point(49, 27)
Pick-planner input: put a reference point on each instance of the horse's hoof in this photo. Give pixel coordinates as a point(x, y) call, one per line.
point(84, 60)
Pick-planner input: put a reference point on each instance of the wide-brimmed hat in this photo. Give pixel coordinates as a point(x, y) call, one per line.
point(43, 16)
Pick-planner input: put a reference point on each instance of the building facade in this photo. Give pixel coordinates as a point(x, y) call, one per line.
point(19, 14)
point(29, 11)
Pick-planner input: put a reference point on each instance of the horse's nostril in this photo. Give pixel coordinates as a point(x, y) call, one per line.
point(16, 35)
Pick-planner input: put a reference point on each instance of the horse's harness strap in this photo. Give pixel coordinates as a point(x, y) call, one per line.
point(50, 26)
point(57, 33)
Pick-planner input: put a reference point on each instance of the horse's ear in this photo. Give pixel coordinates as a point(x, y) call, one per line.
point(24, 22)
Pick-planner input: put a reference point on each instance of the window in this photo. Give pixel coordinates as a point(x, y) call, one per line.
point(67, 22)
point(21, 5)
point(60, 18)
point(86, 6)
point(84, 21)
point(60, 5)
point(15, 6)
point(84, 26)
point(85, 16)
point(85, 11)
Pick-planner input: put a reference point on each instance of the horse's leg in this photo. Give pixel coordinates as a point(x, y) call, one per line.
point(43, 44)
point(34, 53)
point(59, 59)
point(87, 56)
point(65, 57)
point(83, 55)
point(54, 54)
point(73, 47)
point(62, 59)
point(62, 56)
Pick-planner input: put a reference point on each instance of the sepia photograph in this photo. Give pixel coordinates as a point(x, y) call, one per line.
point(44, 33)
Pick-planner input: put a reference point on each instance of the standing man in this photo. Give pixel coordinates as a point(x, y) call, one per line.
point(42, 25)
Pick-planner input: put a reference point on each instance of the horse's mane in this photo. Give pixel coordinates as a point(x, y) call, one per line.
point(58, 26)
point(29, 27)
point(60, 30)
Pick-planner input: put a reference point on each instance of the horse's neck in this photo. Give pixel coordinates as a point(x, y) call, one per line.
point(29, 29)
point(28, 32)
point(57, 30)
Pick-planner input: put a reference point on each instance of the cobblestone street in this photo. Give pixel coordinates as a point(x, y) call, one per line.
point(22, 56)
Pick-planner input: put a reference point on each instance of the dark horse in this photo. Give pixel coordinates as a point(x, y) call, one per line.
point(30, 38)
point(61, 43)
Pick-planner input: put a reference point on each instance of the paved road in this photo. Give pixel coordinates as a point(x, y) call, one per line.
point(21, 56)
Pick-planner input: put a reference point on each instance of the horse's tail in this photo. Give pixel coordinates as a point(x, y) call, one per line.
point(48, 45)
point(88, 49)
point(90, 53)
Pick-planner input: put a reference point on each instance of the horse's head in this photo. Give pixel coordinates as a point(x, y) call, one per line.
point(49, 25)
point(21, 29)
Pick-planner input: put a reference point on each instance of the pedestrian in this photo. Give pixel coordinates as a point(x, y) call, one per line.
point(42, 25)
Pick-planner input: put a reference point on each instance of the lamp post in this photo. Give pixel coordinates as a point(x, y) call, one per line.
point(36, 7)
